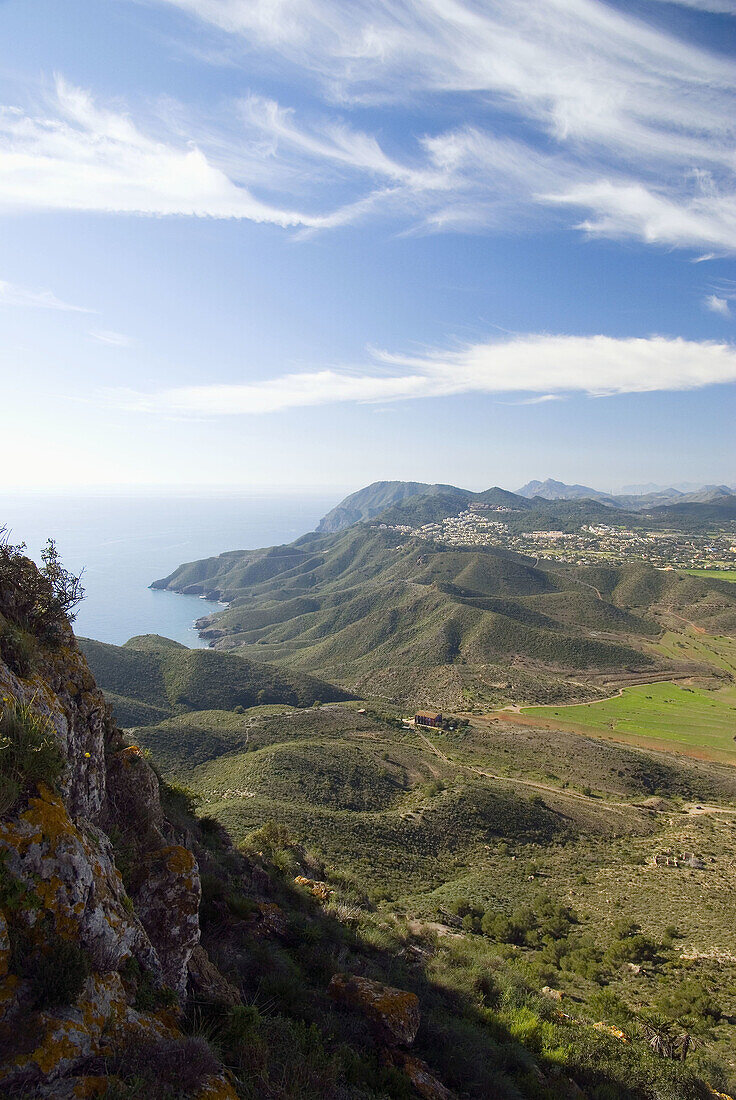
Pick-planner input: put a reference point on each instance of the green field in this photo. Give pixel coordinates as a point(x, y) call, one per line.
point(716, 574)
point(677, 718)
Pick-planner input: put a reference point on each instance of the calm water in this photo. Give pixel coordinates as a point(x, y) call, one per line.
point(124, 542)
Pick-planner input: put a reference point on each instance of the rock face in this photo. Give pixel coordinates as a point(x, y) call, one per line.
point(80, 942)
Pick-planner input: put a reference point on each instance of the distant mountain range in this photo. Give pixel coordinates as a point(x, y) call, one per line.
point(555, 504)
point(638, 498)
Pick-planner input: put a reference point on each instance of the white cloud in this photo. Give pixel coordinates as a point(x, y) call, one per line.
point(717, 305)
point(82, 157)
point(542, 366)
point(621, 129)
point(11, 295)
point(724, 292)
point(112, 339)
point(637, 125)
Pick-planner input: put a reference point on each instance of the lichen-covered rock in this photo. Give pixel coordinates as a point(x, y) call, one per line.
point(72, 875)
point(68, 907)
point(272, 920)
point(393, 1012)
point(216, 1088)
point(207, 983)
point(56, 1041)
point(84, 1087)
point(62, 689)
point(167, 902)
point(422, 1078)
point(133, 798)
point(319, 890)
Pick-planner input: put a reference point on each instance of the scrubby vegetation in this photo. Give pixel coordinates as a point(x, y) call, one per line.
point(505, 856)
point(383, 613)
point(29, 752)
point(152, 678)
point(487, 1029)
point(36, 602)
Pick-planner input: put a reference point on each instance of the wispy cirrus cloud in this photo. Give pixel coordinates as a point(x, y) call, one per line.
point(110, 338)
point(715, 7)
point(542, 366)
point(79, 156)
point(717, 305)
point(719, 301)
point(564, 112)
point(637, 125)
point(12, 295)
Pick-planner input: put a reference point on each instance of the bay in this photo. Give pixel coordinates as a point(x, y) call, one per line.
point(125, 540)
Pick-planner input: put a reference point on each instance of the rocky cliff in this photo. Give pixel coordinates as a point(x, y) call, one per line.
point(95, 970)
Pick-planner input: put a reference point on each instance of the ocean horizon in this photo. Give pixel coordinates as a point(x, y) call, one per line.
point(125, 540)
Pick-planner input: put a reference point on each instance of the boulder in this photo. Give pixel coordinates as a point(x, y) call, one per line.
point(422, 1078)
point(207, 983)
point(393, 1012)
point(72, 872)
point(319, 890)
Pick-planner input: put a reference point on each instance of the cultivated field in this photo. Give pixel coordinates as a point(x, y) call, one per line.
point(668, 716)
point(716, 574)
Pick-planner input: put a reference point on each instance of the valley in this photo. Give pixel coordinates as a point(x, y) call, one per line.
point(571, 828)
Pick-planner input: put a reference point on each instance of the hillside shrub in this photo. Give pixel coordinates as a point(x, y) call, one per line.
point(56, 968)
point(166, 1068)
point(29, 753)
point(17, 648)
point(41, 601)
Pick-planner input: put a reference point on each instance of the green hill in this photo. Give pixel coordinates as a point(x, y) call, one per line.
point(151, 678)
point(371, 501)
point(412, 621)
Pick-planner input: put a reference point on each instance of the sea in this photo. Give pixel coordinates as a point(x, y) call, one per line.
point(125, 541)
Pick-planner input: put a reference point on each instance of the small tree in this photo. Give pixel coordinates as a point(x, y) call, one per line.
point(66, 587)
point(37, 600)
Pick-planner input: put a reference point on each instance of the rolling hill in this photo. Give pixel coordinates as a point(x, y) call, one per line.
point(412, 621)
point(371, 501)
point(151, 678)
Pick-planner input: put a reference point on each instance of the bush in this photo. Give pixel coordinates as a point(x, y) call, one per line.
point(41, 601)
point(29, 753)
point(170, 1068)
point(17, 648)
point(56, 969)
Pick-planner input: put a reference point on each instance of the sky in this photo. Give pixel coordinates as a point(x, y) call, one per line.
point(317, 244)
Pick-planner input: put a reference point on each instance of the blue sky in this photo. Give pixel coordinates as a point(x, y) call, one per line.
point(304, 242)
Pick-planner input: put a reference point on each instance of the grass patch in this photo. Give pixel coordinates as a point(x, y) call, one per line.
point(679, 718)
point(29, 753)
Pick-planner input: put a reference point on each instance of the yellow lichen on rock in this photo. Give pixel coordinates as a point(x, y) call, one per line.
point(394, 1011)
point(610, 1030)
point(77, 1032)
point(216, 1088)
point(319, 890)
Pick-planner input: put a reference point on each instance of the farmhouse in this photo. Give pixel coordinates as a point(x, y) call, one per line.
point(427, 718)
